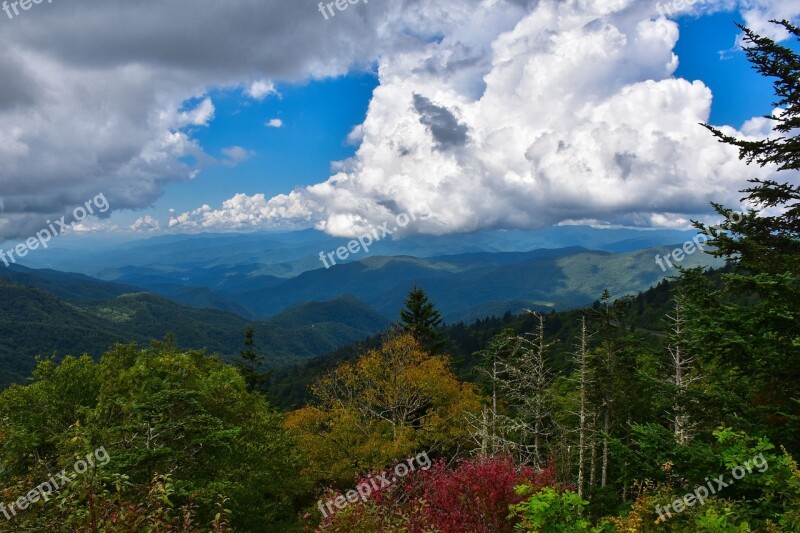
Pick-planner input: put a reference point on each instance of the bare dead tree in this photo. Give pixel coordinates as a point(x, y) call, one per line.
point(581, 359)
point(492, 430)
point(517, 369)
point(528, 388)
point(683, 375)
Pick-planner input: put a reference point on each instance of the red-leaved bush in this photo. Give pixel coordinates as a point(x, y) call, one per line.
point(474, 495)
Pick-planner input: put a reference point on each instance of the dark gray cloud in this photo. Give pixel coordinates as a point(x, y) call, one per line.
point(447, 131)
point(92, 92)
point(17, 87)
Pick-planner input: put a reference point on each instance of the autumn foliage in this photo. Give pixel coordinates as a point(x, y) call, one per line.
point(473, 495)
point(389, 404)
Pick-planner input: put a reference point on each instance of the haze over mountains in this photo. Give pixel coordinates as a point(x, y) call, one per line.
point(207, 288)
point(259, 275)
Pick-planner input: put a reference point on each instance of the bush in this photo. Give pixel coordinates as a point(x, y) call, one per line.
point(473, 496)
point(550, 511)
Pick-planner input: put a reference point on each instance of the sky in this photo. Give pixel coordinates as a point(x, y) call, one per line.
point(250, 115)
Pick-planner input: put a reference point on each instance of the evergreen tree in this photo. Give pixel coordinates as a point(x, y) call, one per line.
point(420, 319)
point(749, 325)
point(250, 363)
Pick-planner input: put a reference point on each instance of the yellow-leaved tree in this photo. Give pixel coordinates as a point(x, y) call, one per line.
point(388, 405)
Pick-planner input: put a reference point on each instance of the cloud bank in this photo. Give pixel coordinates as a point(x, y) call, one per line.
point(495, 113)
point(572, 115)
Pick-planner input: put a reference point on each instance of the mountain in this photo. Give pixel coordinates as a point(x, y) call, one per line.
point(259, 275)
point(469, 286)
point(35, 322)
point(314, 328)
point(288, 388)
point(466, 286)
point(288, 254)
point(207, 304)
point(72, 287)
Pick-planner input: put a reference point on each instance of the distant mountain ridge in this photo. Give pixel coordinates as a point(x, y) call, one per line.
point(466, 285)
point(289, 254)
point(189, 286)
point(469, 286)
point(35, 322)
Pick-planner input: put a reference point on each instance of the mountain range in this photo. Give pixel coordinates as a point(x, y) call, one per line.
point(206, 289)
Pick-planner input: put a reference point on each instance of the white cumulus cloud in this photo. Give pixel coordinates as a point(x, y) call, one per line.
point(146, 224)
point(570, 113)
point(261, 89)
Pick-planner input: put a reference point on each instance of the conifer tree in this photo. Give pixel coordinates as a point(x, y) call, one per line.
point(420, 319)
point(751, 322)
point(250, 363)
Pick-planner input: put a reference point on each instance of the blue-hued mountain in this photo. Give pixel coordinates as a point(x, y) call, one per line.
point(464, 286)
point(207, 288)
point(470, 286)
point(36, 322)
point(288, 254)
point(259, 275)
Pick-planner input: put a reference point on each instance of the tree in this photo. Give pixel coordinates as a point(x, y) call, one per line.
point(420, 319)
point(180, 428)
point(491, 430)
point(583, 364)
point(527, 386)
point(250, 363)
point(683, 375)
point(751, 322)
point(387, 405)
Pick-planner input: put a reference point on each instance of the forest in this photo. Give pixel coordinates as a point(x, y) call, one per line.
point(675, 410)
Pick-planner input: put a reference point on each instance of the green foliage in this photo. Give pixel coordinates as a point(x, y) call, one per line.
point(550, 511)
point(713, 521)
point(159, 412)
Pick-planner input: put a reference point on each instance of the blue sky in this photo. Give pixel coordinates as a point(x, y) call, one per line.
point(706, 53)
point(316, 117)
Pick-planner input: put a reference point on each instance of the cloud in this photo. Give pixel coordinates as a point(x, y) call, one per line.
point(146, 224)
point(235, 155)
point(497, 113)
point(445, 128)
point(570, 113)
point(261, 89)
point(200, 115)
point(244, 212)
point(108, 96)
point(757, 16)
point(274, 123)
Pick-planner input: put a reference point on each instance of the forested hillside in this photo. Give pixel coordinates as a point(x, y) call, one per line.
point(92, 324)
point(643, 316)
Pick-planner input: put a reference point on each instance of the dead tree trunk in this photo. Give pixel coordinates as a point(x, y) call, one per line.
point(582, 361)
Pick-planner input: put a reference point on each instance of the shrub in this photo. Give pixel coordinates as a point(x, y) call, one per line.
point(474, 495)
point(550, 511)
